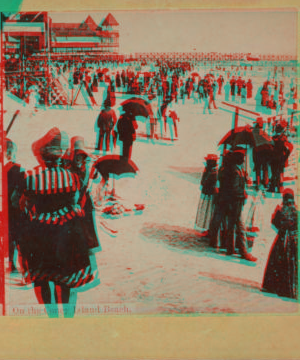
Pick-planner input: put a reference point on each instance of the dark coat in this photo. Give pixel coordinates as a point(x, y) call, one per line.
point(209, 181)
point(232, 182)
point(106, 120)
point(282, 148)
point(126, 128)
point(281, 274)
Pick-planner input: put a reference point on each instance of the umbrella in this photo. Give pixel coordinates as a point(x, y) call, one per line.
point(195, 74)
point(115, 164)
point(138, 107)
point(248, 136)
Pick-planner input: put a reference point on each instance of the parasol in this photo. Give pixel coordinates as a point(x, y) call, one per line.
point(137, 107)
point(248, 136)
point(115, 164)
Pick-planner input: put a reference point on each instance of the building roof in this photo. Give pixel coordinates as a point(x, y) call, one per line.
point(86, 28)
point(90, 23)
point(110, 21)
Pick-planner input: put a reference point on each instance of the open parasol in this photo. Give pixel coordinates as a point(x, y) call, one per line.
point(137, 107)
point(115, 164)
point(247, 136)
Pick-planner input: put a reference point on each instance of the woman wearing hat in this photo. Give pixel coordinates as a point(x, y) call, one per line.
point(53, 241)
point(208, 184)
point(80, 165)
point(281, 274)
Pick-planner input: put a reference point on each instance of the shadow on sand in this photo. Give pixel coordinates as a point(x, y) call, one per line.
point(175, 236)
point(187, 240)
point(191, 174)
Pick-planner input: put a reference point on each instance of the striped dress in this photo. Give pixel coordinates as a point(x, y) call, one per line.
point(206, 203)
point(53, 243)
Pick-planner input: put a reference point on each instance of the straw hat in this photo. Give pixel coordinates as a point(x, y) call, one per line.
point(51, 145)
point(211, 158)
point(78, 146)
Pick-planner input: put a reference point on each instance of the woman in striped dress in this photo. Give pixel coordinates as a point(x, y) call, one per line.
point(53, 243)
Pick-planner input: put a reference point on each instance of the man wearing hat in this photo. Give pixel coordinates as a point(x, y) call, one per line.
point(126, 127)
point(261, 154)
point(281, 152)
point(106, 122)
point(232, 197)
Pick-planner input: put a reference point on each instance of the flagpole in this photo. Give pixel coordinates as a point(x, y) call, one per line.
point(49, 59)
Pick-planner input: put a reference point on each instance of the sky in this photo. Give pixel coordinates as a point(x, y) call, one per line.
point(256, 32)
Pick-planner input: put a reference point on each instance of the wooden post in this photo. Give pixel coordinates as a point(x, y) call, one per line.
point(3, 212)
point(236, 118)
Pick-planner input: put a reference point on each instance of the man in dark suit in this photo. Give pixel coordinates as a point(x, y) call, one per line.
point(234, 183)
point(126, 127)
point(281, 153)
point(231, 200)
point(106, 122)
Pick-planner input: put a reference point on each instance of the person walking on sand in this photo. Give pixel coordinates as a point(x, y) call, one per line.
point(281, 273)
point(53, 243)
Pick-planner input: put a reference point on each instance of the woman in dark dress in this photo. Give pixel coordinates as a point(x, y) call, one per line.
point(53, 244)
point(281, 274)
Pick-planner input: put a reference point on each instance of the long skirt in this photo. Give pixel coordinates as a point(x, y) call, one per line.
point(281, 274)
point(252, 214)
point(58, 253)
point(88, 224)
point(204, 212)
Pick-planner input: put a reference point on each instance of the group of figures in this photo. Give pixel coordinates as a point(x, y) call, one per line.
point(123, 129)
point(223, 196)
point(51, 218)
point(272, 154)
point(51, 212)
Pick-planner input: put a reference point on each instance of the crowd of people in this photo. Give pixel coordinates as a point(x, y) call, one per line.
point(161, 82)
point(50, 207)
point(219, 213)
point(223, 196)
